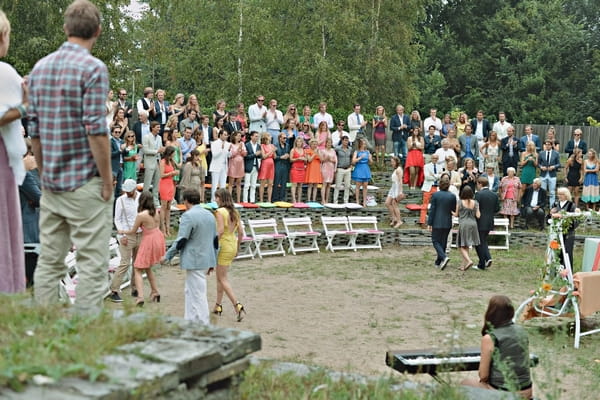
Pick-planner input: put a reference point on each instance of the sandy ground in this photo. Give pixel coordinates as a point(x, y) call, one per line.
point(345, 310)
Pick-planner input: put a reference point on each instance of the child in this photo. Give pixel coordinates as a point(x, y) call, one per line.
point(151, 249)
point(395, 194)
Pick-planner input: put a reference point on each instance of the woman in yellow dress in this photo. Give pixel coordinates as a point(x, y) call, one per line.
point(203, 149)
point(230, 234)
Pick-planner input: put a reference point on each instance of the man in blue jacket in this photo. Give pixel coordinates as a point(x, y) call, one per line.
point(443, 203)
point(197, 244)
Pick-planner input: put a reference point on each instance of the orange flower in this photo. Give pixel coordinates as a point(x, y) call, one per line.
point(546, 286)
point(554, 245)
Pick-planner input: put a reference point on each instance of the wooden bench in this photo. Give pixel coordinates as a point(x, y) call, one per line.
point(365, 227)
point(338, 226)
point(300, 227)
point(500, 229)
point(265, 231)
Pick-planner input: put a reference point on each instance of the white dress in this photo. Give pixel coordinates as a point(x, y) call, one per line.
point(396, 188)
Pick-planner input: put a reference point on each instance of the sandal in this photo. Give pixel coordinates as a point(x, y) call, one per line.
point(466, 267)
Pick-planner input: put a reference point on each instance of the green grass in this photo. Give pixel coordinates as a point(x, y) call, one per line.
point(53, 342)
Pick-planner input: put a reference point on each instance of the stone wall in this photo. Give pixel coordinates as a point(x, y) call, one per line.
point(196, 362)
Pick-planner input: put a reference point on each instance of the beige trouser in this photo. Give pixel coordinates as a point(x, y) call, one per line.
point(342, 178)
point(128, 254)
point(81, 218)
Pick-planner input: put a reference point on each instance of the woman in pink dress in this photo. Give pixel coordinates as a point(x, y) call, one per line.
point(509, 193)
point(328, 167)
point(235, 171)
point(166, 187)
point(151, 249)
point(266, 173)
point(322, 134)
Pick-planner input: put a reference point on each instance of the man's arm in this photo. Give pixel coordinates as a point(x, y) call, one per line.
point(100, 149)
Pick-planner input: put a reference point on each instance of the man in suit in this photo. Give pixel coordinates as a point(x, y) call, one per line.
point(510, 150)
point(488, 207)
point(142, 127)
point(431, 172)
point(196, 244)
point(152, 147)
point(162, 110)
point(576, 142)
point(468, 144)
point(251, 166)
point(443, 203)
point(529, 137)
point(481, 129)
point(534, 201)
point(116, 158)
point(233, 125)
point(399, 126)
point(218, 165)
point(549, 163)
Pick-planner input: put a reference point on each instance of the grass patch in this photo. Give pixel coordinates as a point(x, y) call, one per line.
point(263, 383)
point(53, 342)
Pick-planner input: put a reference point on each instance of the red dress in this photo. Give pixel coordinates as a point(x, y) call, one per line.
point(414, 158)
point(267, 165)
point(151, 249)
point(166, 186)
point(313, 169)
point(298, 168)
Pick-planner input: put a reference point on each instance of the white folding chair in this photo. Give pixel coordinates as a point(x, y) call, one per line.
point(338, 227)
point(297, 228)
point(366, 227)
point(264, 231)
point(246, 250)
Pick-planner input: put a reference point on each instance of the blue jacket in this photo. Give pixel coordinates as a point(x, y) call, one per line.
point(442, 204)
point(30, 194)
point(395, 125)
point(199, 227)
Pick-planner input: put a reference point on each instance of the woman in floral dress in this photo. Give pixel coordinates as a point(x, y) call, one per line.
point(328, 166)
point(509, 193)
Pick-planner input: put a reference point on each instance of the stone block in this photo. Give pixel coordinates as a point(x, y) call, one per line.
point(191, 357)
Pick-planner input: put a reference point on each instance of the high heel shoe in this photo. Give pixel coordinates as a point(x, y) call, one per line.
point(139, 302)
point(239, 308)
point(155, 297)
point(218, 309)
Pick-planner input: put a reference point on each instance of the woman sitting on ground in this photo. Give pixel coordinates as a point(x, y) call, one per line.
point(504, 361)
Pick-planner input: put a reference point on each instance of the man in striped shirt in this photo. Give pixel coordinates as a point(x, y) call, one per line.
point(71, 146)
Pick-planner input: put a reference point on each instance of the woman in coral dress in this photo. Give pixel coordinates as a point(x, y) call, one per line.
point(266, 173)
point(328, 167)
point(313, 170)
point(509, 193)
point(235, 171)
point(297, 169)
point(322, 134)
point(166, 188)
point(151, 249)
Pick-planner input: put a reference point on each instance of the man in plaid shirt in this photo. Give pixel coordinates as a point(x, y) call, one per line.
point(71, 146)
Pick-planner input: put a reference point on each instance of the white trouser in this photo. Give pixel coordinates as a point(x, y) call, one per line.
point(342, 178)
point(218, 178)
point(196, 302)
point(250, 181)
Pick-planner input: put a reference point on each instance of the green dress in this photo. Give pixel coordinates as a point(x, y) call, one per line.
point(528, 170)
point(130, 167)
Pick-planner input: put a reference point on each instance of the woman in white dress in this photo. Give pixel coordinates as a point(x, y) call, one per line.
point(395, 195)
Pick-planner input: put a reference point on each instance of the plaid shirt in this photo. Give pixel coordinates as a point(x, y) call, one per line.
point(67, 103)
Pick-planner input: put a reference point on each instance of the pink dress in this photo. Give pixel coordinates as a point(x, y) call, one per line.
point(509, 192)
point(166, 186)
point(322, 139)
point(236, 161)
point(151, 249)
point(267, 165)
point(328, 163)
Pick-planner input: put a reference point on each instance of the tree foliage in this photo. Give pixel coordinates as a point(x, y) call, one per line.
point(538, 60)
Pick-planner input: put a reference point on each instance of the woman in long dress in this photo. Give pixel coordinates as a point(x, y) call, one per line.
point(589, 177)
point(328, 167)
point(13, 105)
point(130, 157)
point(235, 170)
point(509, 194)
point(467, 211)
point(192, 174)
point(528, 164)
point(491, 151)
point(413, 166)
point(380, 123)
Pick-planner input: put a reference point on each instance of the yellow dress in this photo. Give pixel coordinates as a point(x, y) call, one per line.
point(201, 149)
point(227, 242)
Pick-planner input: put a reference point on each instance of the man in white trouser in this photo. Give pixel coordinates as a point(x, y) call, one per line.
point(196, 244)
point(344, 170)
point(251, 166)
point(218, 165)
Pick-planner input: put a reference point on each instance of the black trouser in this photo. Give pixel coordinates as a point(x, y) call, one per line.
point(439, 238)
point(483, 251)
